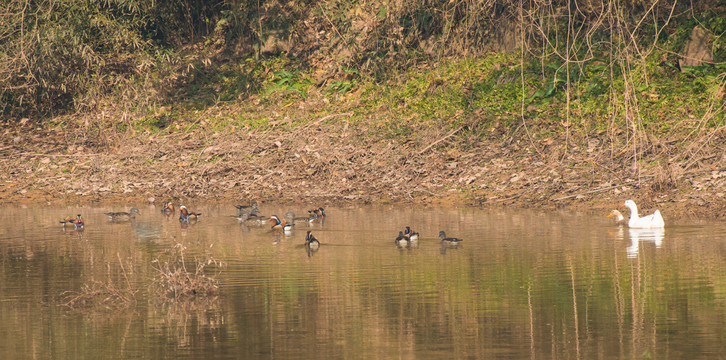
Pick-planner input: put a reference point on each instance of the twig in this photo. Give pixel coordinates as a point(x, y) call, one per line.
point(508, 198)
point(123, 270)
point(69, 155)
point(326, 117)
point(261, 178)
point(332, 24)
point(599, 190)
point(440, 140)
point(588, 192)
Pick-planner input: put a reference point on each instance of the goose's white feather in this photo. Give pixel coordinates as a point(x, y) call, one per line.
point(652, 221)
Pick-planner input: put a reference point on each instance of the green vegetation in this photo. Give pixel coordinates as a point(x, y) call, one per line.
point(396, 67)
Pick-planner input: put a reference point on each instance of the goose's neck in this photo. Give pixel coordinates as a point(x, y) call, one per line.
point(633, 212)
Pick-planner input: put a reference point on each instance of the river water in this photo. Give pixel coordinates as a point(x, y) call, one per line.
point(522, 285)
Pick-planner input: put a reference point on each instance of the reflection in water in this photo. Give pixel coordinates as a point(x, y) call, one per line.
point(527, 284)
point(638, 235)
point(148, 232)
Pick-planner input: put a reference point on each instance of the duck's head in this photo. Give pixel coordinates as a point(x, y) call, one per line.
point(169, 206)
point(308, 236)
point(322, 212)
point(442, 234)
point(275, 219)
point(618, 216)
point(183, 210)
point(134, 211)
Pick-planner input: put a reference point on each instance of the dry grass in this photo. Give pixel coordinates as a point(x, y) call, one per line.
point(103, 295)
point(174, 282)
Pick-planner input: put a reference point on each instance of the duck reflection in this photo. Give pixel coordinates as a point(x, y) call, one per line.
point(638, 235)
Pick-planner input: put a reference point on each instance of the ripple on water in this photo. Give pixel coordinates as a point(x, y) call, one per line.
point(522, 284)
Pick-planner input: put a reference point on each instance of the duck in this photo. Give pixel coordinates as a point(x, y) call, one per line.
point(311, 242)
point(652, 221)
point(77, 223)
point(251, 209)
point(295, 220)
point(287, 227)
point(185, 216)
point(168, 208)
point(619, 218)
point(320, 212)
point(448, 240)
point(278, 224)
point(410, 234)
point(249, 220)
point(401, 240)
point(123, 216)
point(317, 213)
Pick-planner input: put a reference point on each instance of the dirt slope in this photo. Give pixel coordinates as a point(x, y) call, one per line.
point(333, 161)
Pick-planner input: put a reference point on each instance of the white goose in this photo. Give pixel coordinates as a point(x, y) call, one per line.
point(653, 221)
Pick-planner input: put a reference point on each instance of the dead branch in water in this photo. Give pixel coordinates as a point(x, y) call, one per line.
point(175, 283)
point(98, 294)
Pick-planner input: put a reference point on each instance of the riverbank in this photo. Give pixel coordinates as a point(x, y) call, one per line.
point(332, 160)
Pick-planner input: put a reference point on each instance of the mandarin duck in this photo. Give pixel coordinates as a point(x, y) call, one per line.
point(77, 223)
point(311, 242)
point(123, 216)
point(185, 216)
point(448, 240)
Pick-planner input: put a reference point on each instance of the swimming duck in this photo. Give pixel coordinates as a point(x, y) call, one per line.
point(251, 220)
point(77, 223)
point(652, 221)
point(619, 219)
point(448, 240)
point(251, 209)
point(123, 216)
point(290, 216)
point(311, 242)
point(278, 224)
point(401, 240)
point(317, 213)
point(410, 234)
point(320, 212)
point(185, 216)
point(287, 227)
point(168, 208)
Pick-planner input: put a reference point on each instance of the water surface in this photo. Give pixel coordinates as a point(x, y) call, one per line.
point(523, 284)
